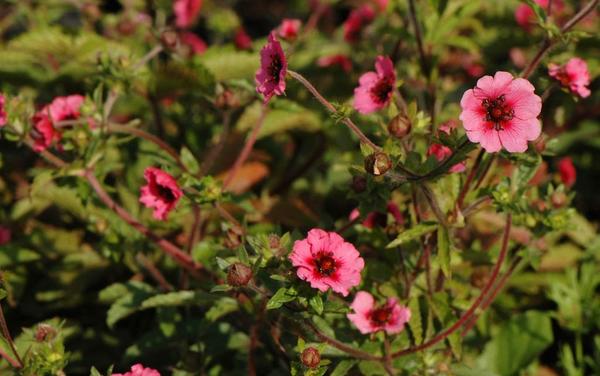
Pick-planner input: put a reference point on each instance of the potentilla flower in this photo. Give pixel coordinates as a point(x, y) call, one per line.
point(525, 16)
point(326, 261)
point(357, 20)
point(44, 133)
point(567, 171)
point(186, 12)
point(501, 111)
point(375, 218)
point(194, 42)
point(375, 89)
point(3, 115)
point(574, 75)
point(161, 193)
point(270, 77)
point(139, 370)
point(242, 40)
point(441, 152)
point(5, 235)
point(369, 318)
point(339, 60)
point(289, 28)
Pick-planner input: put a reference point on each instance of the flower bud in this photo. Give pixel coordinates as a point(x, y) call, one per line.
point(44, 332)
point(558, 199)
point(310, 357)
point(274, 241)
point(480, 276)
point(359, 184)
point(169, 39)
point(239, 274)
point(399, 126)
point(378, 163)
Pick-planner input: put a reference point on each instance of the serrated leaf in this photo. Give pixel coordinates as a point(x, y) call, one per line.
point(455, 341)
point(282, 296)
point(343, 367)
point(412, 234)
point(443, 243)
point(189, 161)
point(221, 288)
point(11, 255)
point(415, 323)
point(136, 293)
point(222, 263)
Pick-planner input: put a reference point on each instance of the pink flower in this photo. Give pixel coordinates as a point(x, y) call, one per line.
point(5, 235)
point(186, 12)
point(340, 60)
point(326, 261)
point(242, 40)
point(289, 28)
point(194, 42)
point(139, 370)
point(501, 111)
point(374, 219)
point(270, 77)
point(368, 318)
point(567, 171)
point(161, 193)
point(2, 110)
point(60, 109)
point(357, 20)
point(375, 89)
point(442, 152)
point(525, 16)
point(574, 75)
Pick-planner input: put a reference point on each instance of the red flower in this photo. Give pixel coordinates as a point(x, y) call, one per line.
point(5, 235)
point(2, 110)
point(242, 40)
point(339, 60)
point(44, 132)
point(289, 28)
point(525, 16)
point(161, 193)
point(357, 20)
point(194, 42)
point(270, 77)
point(567, 171)
point(186, 12)
point(442, 152)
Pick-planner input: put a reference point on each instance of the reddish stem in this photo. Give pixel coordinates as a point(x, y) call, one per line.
point(467, 185)
point(11, 343)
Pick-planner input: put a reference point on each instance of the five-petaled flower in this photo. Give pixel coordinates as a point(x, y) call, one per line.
point(44, 132)
point(186, 12)
point(574, 75)
point(501, 111)
point(270, 77)
point(567, 171)
point(161, 193)
point(370, 318)
point(289, 28)
point(139, 370)
point(326, 261)
point(375, 89)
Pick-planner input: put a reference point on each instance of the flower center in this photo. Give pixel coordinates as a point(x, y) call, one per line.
point(381, 316)
point(326, 264)
point(563, 78)
point(381, 91)
point(165, 193)
point(497, 111)
point(275, 67)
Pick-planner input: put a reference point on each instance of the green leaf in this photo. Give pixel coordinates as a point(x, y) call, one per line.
point(525, 171)
point(412, 234)
point(178, 298)
point(517, 343)
point(12, 255)
point(343, 367)
point(443, 242)
point(221, 308)
point(282, 296)
point(415, 323)
point(316, 302)
point(136, 293)
point(220, 288)
point(189, 161)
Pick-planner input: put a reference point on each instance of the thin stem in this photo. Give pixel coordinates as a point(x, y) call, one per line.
point(549, 43)
point(210, 159)
point(14, 363)
point(154, 272)
point(471, 208)
point(387, 361)
point(433, 203)
point(467, 185)
point(245, 153)
point(469, 313)
point(149, 56)
point(359, 354)
point(8, 337)
point(349, 123)
point(413, 17)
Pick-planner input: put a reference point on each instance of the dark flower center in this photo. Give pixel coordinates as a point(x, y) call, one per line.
point(563, 78)
point(165, 193)
point(275, 67)
point(381, 316)
point(326, 265)
point(381, 91)
point(497, 111)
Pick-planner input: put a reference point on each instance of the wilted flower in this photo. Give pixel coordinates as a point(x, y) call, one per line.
point(375, 89)
point(270, 77)
point(242, 40)
point(567, 171)
point(339, 60)
point(574, 75)
point(369, 318)
point(357, 20)
point(326, 261)
point(441, 152)
point(139, 370)
point(186, 12)
point(289, 28)
point(501, 111)
point(161, 193)
point(44, 132)
point(378, 163)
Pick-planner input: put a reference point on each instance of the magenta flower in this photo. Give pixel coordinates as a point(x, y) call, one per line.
point(375, 89)
point(501, 111)
point(44, 132)
point(5, 235)
point(194, 42)
point(161, 193)
point(186, 12)
point(375, 218)
point(566, 169)
point(3, 116)
point(369, 318)
point(242, 40)
point(289, 28)
point(339, 60)
point(525, 16)
point(270, 77)
point(574, 75)
point(356, 22)
point(139, 370)
point(441, 152)
point(326, 261)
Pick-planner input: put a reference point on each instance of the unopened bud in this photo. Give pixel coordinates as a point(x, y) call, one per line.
point(239, 274)
point(559, 199)
point(399, 126)
point(310, 357)
point(359, 184)
point(274, 241)
point(480, 276)
point(378, 163)
point(169, 39)
point(44, 332)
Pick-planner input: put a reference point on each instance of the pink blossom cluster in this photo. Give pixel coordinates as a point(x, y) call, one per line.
point(44, 132)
